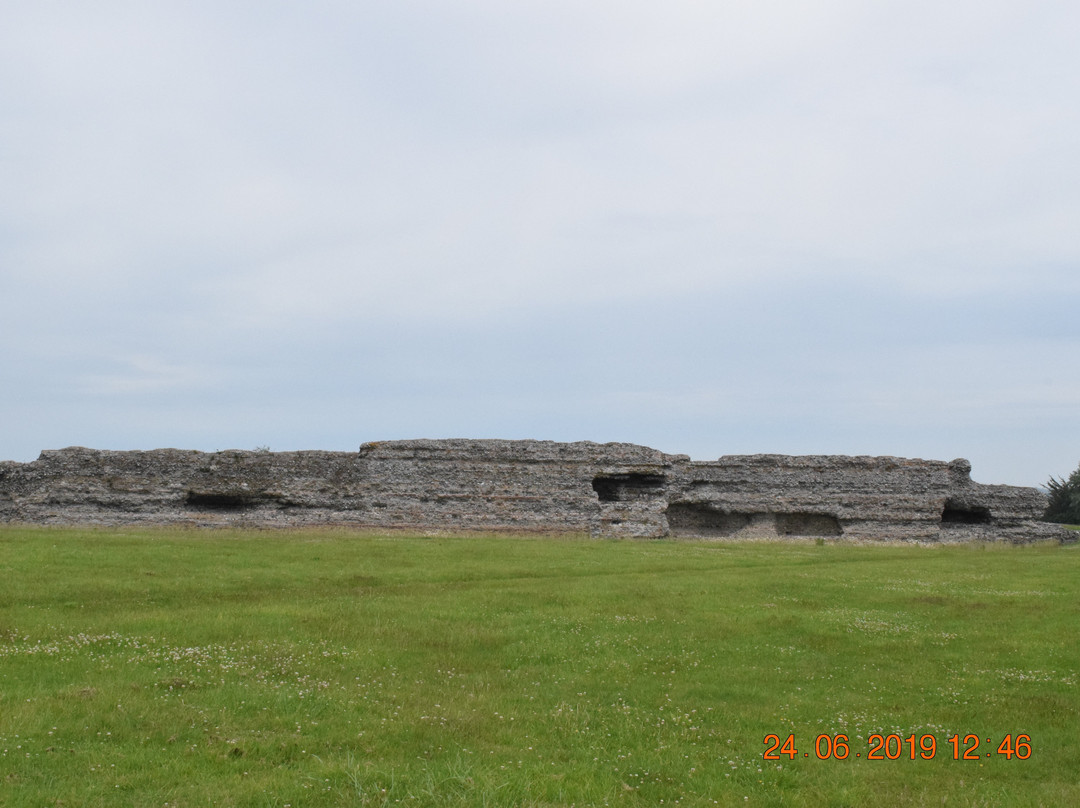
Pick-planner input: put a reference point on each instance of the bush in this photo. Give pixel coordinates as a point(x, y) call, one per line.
point(1064, 500)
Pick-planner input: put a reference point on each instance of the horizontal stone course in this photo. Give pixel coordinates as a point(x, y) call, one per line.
point(609, 489)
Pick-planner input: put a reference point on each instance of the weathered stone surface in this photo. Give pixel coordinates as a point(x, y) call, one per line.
point(612, 489)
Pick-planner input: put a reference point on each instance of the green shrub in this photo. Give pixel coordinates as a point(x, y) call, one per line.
point(1064, 504)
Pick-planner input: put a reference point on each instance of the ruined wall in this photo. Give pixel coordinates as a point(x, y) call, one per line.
point(611, 489)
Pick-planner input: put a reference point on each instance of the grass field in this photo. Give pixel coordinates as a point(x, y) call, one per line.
point(173, 668)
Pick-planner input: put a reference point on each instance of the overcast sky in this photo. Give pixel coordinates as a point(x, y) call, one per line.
point(842, 227)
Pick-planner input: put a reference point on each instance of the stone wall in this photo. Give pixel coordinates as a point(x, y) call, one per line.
point(612, 489)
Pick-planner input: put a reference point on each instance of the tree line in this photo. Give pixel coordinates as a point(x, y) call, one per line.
point(1064, 504)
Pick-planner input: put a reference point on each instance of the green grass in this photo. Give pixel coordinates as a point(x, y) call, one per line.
point(321, 668)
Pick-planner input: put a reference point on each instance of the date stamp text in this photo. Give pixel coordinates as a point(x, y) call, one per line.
point(896, 747)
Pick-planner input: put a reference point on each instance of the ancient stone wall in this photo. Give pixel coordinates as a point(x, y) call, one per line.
point(611, 489)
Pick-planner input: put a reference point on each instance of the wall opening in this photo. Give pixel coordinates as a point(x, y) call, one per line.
point(219, 502)
point(957, 513)
point(699, 519)
point(696, 519)
point(628, 487)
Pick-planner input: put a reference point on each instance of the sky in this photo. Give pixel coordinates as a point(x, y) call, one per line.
point(712, 228)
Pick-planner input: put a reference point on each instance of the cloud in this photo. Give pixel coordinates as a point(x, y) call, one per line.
point(140, 375)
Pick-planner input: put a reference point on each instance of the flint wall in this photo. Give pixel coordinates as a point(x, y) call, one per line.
point(611, 489)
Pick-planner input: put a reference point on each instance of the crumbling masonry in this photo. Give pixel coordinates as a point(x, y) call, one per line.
point(611, 489)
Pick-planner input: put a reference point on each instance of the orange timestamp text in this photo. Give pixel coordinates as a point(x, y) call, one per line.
point(895, 747)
